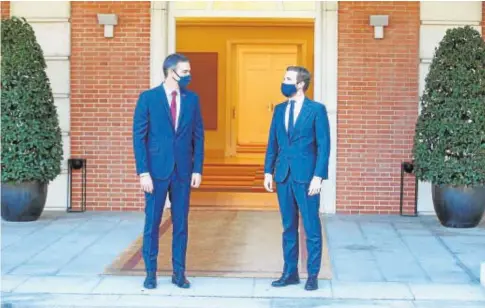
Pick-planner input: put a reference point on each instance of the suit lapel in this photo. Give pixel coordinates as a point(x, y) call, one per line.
point(304, 113)
point(183, 110)
point(282, 120)
point(163, 100)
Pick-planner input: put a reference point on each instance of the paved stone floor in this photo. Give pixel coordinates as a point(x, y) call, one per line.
point(377, 261)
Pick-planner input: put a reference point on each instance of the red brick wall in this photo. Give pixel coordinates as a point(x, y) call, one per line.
point(483, 19)
point(107, 74)
point(5, 9)
point(377, 105)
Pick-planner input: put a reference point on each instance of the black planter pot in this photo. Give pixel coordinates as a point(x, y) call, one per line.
point(23, 201)
point(459, 207)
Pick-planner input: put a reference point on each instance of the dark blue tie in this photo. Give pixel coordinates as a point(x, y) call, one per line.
point(291, 125)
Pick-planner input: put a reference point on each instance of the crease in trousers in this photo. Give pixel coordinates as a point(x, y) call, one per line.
point(293, 199)
point(178, 190)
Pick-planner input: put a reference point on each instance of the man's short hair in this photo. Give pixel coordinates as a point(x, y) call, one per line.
point(171, 62)
point(302, 74)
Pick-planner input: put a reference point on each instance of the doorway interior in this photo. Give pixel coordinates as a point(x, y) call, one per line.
point(237, 68)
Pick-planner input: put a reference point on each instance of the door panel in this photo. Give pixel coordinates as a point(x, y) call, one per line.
point(260, 69)
point(204, 66)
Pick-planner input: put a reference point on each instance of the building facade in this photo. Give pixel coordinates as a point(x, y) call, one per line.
point(370, 85)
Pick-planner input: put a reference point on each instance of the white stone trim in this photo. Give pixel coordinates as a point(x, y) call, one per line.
point(451, 11)
point(243, 14)
point(325, 61)
point(450, 23)
point(51, 23)
point(41, 9)
point(56, 58)
point(39, 20)
point(158, 40)
point(328, 47)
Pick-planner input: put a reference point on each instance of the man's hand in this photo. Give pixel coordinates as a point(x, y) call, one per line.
point(315, 186)
point(146, 183)
point(268, 182)
point(196, 180)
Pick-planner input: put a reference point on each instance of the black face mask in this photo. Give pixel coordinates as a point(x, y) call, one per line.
point(183, 80)
point(288, 89)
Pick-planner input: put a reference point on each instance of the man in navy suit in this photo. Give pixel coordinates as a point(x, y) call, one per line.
point(168, 142)
point(297, 154)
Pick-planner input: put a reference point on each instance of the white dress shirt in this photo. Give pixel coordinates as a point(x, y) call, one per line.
point(296, 111)
point(177, 100)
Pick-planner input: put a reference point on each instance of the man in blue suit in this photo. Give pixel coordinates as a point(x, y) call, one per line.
point(297, 154)
point(168, 142)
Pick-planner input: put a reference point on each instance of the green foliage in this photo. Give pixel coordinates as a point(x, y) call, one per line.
point(449, 144)
point(31, 136)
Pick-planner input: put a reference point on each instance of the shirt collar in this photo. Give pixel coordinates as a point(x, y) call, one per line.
point(298, 101)
point(169, 91)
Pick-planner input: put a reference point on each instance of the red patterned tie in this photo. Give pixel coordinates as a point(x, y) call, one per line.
point(173, 108)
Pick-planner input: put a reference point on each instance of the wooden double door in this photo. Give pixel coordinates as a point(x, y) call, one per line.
point(237, 67)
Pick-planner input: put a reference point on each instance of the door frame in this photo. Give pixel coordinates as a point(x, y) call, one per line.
point(231, 92)
point(325, 14)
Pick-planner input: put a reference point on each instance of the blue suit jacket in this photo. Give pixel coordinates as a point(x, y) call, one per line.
point(158, 147)
point(308, 151)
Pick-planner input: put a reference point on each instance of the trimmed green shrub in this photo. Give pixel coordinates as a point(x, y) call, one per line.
point(31, 136)
point(449, 144)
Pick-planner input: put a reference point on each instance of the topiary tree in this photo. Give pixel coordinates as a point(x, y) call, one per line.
point(31, 136)
point(449, 144)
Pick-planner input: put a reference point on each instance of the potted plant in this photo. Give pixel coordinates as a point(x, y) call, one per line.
point(31, 137)
point(449, 144)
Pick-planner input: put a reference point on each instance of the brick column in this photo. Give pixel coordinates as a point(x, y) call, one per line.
point(107, 75)
point(377, 105)
point(5, 9)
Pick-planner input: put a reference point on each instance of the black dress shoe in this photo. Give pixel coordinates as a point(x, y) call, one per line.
point(286, 279)
point(150, 280)
point(311, 283)
point(180, 281)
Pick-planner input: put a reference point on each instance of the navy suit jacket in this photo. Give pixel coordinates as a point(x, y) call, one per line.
point(157, 146)
point(307, 153)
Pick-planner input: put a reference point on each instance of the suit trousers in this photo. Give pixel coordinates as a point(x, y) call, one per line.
point(179, 193)
point(293, 198)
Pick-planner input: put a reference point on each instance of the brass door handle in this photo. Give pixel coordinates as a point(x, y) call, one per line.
point(270, 107)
